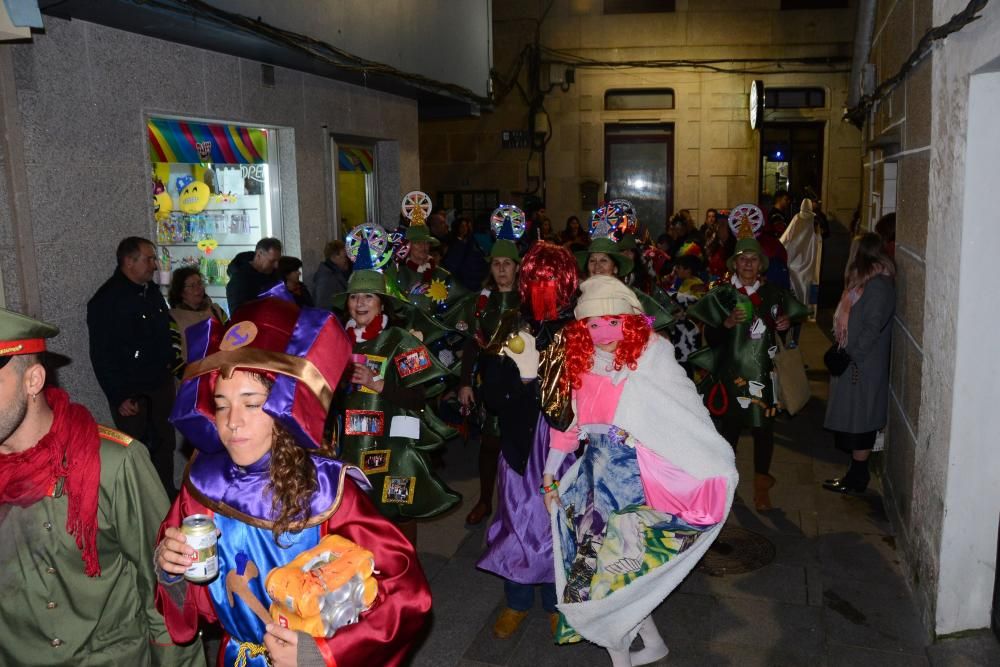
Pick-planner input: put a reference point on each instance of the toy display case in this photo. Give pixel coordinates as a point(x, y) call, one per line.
point(214, 196)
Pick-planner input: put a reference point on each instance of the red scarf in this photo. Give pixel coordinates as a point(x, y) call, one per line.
point(426, 274)
point(370, 332)
point(69, 451)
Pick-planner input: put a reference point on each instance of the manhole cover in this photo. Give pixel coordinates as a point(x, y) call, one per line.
point(735, 551)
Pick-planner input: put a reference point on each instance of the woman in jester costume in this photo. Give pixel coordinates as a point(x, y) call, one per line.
point(253, 401)
point(743, 317)
point(651, 491)
point(387, 428)
point(490, 323)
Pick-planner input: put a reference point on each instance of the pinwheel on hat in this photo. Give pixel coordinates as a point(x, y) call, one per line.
point(746, 221)
point(416, 207)
point(609, 224)
point(507, 222)
point(303, 350)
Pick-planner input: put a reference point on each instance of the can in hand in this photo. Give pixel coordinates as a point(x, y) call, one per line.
point(746, 305)
point(199, 532)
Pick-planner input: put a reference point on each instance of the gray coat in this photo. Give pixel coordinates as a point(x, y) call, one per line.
point(859, 399)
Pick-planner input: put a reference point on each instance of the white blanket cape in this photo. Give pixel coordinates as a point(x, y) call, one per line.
point(661, 408)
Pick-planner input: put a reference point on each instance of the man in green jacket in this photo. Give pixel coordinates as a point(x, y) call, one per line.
point(80, 505)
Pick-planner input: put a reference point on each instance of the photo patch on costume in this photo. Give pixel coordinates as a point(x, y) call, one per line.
point(398, 490)
point(377, 366)
point(375, 460)
point(412, 361)
point(364, 422)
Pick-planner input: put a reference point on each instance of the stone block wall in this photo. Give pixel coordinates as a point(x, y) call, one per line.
point(80, 97)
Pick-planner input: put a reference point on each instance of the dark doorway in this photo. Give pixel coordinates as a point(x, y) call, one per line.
point(791, 158)
point(639, 166)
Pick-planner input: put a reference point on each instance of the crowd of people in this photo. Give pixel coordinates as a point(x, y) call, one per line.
point(608, 380)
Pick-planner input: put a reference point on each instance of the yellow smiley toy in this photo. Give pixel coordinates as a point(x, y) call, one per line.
point(194, 197)
point(162, 206)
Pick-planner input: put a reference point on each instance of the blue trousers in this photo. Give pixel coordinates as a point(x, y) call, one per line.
point(521, 597)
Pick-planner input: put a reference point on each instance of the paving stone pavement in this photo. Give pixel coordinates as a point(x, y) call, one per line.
point(834, 594)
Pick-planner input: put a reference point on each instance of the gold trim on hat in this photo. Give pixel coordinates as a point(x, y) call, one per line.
point(227, 361)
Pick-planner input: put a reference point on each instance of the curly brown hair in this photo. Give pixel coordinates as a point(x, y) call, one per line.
point(293, 482)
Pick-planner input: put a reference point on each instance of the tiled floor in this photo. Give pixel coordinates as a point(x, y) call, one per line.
point(833, 595)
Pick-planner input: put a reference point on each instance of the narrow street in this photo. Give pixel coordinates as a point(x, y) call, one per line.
point(832, 595)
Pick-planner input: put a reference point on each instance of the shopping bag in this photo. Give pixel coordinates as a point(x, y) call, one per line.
point(793, 385)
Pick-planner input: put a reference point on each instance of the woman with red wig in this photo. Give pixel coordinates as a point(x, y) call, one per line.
point(638, 509)
point(519, 539)
point(253, 402)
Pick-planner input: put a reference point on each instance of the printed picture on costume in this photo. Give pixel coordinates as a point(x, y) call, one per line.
point(398, 490)
point(412, 361)
point(375, 460)
point(364, 422)
point(377, 366)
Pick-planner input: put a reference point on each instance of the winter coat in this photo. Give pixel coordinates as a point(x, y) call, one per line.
point(859, 399)
point(328, 281)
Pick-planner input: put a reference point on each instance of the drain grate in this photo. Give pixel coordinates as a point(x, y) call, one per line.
point(737, 550)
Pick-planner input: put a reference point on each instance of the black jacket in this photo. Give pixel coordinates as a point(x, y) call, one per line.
point(130, 347)
point(245, 282)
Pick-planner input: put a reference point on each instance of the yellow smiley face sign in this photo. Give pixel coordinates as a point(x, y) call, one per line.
point(194, 197)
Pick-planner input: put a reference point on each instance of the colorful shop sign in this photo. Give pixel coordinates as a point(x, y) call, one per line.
point(191, 143)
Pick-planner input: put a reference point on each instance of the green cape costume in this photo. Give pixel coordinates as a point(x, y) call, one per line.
point(740, 387)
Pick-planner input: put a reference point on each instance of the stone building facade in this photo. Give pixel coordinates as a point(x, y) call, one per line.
point(75, 171)
point(716, 155)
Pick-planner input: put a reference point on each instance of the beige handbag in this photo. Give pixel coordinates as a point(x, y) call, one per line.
point(792, 385)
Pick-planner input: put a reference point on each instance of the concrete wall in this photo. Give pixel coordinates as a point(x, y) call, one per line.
point(393, 32)
point(715, 151)
point(75, 137)
point(941, 472)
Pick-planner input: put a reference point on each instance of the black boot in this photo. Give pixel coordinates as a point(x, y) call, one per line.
point(855, 481)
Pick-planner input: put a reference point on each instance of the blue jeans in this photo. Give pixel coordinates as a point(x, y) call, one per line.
point(521, 597)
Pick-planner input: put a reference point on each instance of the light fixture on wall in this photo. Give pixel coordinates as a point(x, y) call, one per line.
point(756, 104)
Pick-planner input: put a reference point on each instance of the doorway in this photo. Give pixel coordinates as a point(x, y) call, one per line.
point(355, 183)
point(791, 158)
point(639, 166)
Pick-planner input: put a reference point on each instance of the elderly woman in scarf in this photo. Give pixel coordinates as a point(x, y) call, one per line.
point(859, 397)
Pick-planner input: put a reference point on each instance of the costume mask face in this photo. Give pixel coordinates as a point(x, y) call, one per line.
point(605, 330)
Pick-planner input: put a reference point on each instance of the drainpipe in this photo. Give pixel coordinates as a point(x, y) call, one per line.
point(862, 49)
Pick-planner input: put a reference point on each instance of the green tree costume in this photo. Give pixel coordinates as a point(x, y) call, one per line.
point(743, 357)
point(389, 442)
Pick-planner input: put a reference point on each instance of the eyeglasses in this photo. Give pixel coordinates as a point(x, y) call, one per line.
point(199, 283)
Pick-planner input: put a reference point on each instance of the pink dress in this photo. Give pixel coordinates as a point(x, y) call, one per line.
point(668, 488)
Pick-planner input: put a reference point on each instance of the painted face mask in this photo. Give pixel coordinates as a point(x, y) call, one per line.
point(604, 331)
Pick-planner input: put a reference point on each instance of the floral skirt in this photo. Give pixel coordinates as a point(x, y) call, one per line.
point(609, 536)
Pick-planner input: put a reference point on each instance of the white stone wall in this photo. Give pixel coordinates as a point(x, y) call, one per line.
point(83, 92)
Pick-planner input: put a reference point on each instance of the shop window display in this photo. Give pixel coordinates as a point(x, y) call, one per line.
point(213, 188)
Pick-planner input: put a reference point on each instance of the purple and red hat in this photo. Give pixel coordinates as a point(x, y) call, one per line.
point(305, 351)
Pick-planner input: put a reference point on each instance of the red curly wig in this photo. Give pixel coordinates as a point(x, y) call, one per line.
point(548, 280)
point(580, 347)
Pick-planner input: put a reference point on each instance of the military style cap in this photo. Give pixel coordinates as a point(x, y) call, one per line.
point(20, 334)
